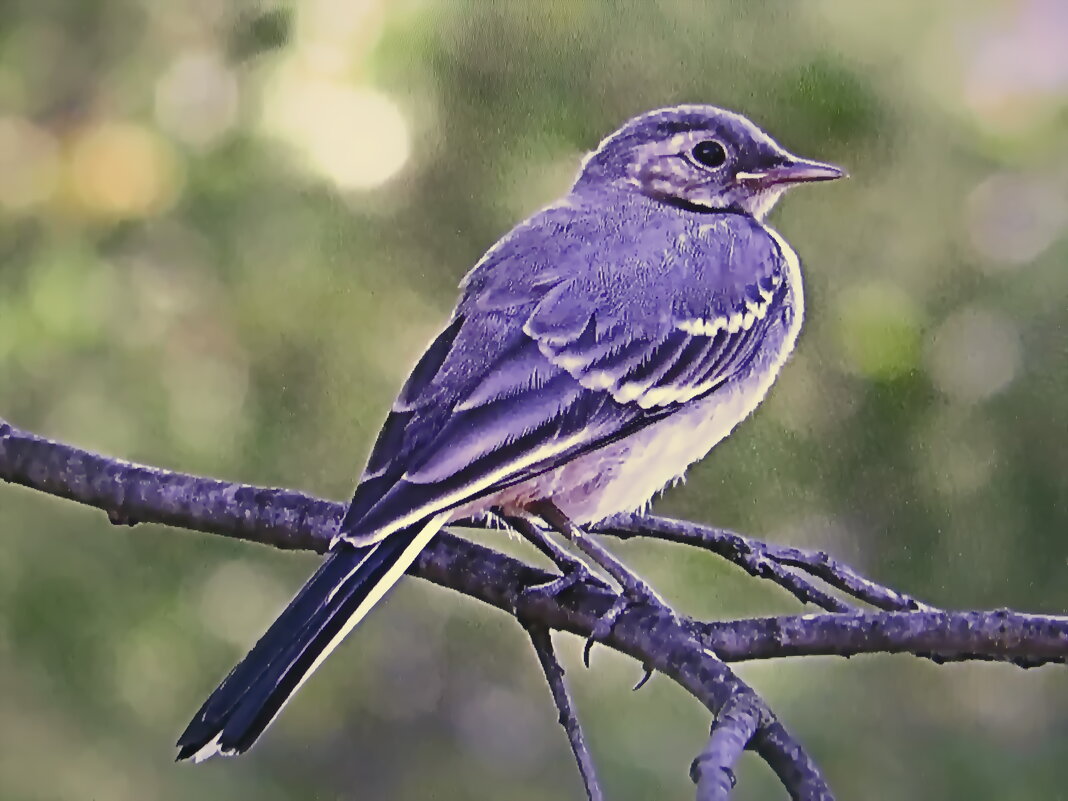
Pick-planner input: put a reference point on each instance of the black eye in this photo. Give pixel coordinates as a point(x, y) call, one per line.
point(710, 153)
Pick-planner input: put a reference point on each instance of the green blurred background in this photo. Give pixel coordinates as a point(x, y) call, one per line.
point(226, 231)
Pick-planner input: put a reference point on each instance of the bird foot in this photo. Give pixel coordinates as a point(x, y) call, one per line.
point(572, 573)
point(639, 594)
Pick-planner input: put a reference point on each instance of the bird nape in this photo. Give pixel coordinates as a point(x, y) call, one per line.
point(596, 351)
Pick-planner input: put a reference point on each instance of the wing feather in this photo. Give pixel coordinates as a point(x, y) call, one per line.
point(540, 366)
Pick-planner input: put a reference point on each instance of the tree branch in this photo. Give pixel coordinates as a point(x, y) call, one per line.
point(682, 649)
point(1000, 635)
point(541, 639)
point(133, 494)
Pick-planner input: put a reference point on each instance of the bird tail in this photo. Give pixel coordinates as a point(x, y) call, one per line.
point(344, 589)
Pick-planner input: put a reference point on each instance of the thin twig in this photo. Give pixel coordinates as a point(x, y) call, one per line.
point(742, 551)
point(542, 641)
point(713, 770)
point(769, 561)
point(842, 577)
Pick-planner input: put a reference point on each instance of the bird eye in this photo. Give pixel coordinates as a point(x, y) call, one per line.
point(710, 153)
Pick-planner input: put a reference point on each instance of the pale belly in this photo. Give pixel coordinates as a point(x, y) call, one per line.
point(625, 476)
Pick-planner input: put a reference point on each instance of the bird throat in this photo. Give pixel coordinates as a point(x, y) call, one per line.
point(761, 203)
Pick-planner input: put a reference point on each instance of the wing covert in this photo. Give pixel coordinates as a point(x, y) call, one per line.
point(658, 351)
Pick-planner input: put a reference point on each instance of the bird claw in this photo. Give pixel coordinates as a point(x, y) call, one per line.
point(643, 680)
point(550, 589)
point(576, 573)
point(641, 595)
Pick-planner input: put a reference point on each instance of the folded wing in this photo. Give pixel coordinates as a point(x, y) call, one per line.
point(552, 367)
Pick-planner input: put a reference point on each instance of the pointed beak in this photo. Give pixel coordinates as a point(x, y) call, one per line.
point(793, 171)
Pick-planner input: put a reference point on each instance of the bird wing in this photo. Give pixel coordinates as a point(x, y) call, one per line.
point(553, 354)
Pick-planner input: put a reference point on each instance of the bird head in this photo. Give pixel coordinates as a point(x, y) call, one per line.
point(700, 158)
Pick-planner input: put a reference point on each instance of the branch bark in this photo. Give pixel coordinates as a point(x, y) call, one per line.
point(713, 770)
point(691, 653)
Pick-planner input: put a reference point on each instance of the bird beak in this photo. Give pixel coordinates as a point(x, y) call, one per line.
point(793, 171)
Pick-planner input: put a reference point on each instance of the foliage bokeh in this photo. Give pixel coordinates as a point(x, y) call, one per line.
point(226, 230)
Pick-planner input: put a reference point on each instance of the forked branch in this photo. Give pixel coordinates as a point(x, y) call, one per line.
point(691, 653)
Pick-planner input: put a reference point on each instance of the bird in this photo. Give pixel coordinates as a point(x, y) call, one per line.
point(597, 350)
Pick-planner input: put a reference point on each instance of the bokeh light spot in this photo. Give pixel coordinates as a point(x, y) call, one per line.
point(197, 99)
point(119, 170)
point(956, 453)
point(236, 598)
point(354, 135)
point(1018, 63)
point(878, 330)
point(974, 354)
point(1013, 218)
point(29, 164)
point(207, 397)
point(501, 728)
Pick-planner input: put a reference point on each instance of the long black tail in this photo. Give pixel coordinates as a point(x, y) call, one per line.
point(346, 586)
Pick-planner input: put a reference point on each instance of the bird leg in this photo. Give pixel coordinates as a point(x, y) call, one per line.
point(635, 590)
point(633, 586)
point(573, 570)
